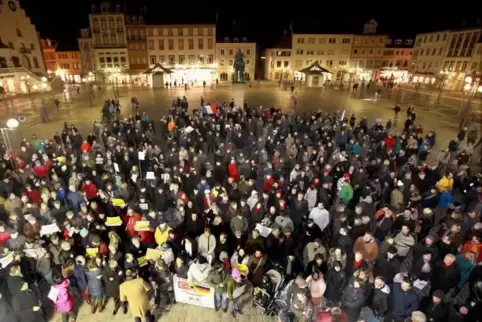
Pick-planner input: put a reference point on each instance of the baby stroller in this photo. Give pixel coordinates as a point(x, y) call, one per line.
point(266, 294)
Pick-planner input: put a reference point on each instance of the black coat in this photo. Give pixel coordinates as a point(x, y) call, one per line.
point(335, 283)
point(112, 281)
point(445, 278)
point(23, 302)
point(437, 312)
point(386, 268)
point(380, 301)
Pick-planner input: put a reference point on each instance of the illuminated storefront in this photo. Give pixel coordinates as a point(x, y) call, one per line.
point(315, 75)
point(194, 75)
point(423, 79)
point(395, 75)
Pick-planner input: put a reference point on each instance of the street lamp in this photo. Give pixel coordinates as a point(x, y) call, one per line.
point(442, 78)
point(471, 87)
point(11, 125)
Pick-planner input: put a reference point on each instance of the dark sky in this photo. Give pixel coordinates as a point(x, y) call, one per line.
point(260, 21)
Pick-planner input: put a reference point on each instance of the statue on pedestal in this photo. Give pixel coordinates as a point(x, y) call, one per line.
point(238, 67)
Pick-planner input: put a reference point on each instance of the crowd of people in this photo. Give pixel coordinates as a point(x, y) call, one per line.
point(353, 217)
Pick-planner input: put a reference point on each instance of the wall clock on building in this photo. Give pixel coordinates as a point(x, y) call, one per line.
point(12, 5)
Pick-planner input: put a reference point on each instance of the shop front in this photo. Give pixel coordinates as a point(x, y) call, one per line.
point(193, 75)
point(395, 75)
point(158, 76)
point(315, 75)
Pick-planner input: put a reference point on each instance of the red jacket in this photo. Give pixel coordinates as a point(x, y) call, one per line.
point(33, 195)
point(469, 246)
point(131, 223)
point(233, 171)
point(40, 171)
point(146, 237)
point(85, 147)
point(4, 237)
point(389, 142)
point(90, 190)
point(268, 184)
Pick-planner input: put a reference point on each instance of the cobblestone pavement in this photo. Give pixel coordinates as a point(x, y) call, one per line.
point(79, 111)
point(177, 313)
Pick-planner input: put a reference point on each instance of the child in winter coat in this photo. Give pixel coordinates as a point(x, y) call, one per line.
point(64, 303)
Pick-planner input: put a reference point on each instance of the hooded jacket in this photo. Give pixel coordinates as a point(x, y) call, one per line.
point(197, 273)
point(64, 302)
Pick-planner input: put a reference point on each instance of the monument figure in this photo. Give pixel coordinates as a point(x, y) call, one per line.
point(238, 67)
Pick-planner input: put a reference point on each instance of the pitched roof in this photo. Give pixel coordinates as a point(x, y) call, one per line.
point(158, 68)
point(314, 69)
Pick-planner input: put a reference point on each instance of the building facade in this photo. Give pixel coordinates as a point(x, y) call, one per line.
point(48, 52)
point(332, 52)
point(277, 61)
point(225, 55)
point(69, 66)
point(86, 52)
point(188, 50)
point(367, 53)
point(460, 51)
point(428, 56)
point(19, 48)
point(109, 37)
point(397, 57)
point(137, 48)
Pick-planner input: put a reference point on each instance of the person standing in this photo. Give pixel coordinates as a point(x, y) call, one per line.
point(64, 302)
point(135, 291)
point(233, 282)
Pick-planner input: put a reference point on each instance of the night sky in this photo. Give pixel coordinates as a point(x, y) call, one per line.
point(260, 21)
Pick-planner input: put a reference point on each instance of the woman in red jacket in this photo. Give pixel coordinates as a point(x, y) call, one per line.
point(132, 218)
point(233, 170)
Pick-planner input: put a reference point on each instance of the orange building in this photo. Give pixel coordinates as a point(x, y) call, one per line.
point(69, 66)
point(48, 53)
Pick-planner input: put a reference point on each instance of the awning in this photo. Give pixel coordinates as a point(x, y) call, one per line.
point(158, 68)
point(314, 69)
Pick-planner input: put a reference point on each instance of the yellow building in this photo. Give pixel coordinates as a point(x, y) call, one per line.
point(69, 66)
point(277, 61)
point(460, 50)
point(86, 52)
point(331, 51)
point(367, 53)
point(188, 50)
point(475, 67)
point(397, 57)
point(428, 56)
point(20, 52)
point(111, 59)
point(225, 52)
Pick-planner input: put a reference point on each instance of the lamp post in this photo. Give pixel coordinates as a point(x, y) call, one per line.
point(472, 87)
point(11, 125)
point(442, 78)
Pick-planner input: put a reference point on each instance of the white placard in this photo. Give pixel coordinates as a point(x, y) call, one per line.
point(116, 167)
point(193, 293)
point(150, 175)
point(134, 177)
point(144, 206)
point(49, 229)
point(4, 262)
point(189, 129)
point(263, 230)
point(53, 294)
point(32, 253)
point(141, 155)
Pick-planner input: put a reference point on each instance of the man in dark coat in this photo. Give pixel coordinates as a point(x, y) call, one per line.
point(446, 275)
